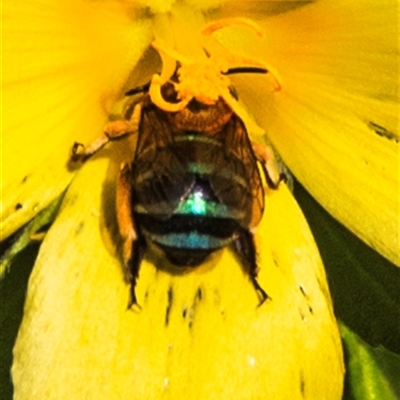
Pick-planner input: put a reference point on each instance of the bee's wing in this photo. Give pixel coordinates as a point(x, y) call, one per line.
point(238, 183)
point(160, 179)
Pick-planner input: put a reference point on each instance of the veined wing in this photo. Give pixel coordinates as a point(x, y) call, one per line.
point(160, 177)
point(237, 182)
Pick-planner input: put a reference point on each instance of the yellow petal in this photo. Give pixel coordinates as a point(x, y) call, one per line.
point(335, 121)
point(166, 6)
point(63, 64)
point(255, 9)
point(199, 335)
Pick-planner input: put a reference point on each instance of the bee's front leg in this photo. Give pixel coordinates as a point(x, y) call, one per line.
point(113, 130)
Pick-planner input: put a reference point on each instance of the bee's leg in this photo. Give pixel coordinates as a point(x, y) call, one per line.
point(246, 249)
point(132, 246)
point(113, 130)
point(266, 156)
point(133, 265)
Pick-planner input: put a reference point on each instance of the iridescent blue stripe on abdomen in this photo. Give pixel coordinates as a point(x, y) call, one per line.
point(188, 231)
point(190, 240)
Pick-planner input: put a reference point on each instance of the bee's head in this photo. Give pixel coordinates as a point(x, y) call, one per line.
point(195, 116)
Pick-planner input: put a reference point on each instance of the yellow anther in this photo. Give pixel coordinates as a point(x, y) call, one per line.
point(202, 80)
point(158, 99)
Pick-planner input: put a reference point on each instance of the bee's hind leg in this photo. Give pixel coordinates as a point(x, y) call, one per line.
point(133, 246)
point(246, 249)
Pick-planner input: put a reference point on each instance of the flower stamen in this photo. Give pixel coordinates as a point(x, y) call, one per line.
point(204, 78)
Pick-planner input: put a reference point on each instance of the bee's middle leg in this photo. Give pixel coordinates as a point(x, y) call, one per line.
point(266, 156)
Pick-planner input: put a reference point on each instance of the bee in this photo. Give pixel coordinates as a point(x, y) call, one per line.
point(193, 186)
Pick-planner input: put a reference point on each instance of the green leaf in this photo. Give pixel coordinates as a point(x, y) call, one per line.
point(18, 257)
point(365, 287)
point(372, 374)
point(27, 234)
point(12, 298)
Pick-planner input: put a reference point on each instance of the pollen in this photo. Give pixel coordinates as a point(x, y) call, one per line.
point(201, 80)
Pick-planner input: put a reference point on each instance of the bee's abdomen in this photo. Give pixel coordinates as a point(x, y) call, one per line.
point(199, 226)
point(184, 237)
point(195, 201)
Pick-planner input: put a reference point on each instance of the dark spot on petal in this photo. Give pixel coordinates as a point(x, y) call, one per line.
point(18, 206)
point(79, 228)
point(169, 306)
point(382, 131)
point(24, 179)
point(302, 385)
point(190, 313)
point(303, 292)
point(199, 294)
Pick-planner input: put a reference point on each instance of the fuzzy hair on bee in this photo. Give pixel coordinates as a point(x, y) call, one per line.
point(193, 186)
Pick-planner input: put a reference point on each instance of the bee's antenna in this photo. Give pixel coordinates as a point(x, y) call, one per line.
point(139, 89)
point(245, 70)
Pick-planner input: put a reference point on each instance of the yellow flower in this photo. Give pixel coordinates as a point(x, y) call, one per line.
point(333, 112)
point(65, 65)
